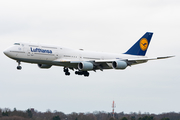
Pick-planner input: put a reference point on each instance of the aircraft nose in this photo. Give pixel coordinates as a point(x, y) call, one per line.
point(6, 52)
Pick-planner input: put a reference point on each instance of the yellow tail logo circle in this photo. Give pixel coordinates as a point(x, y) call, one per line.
point(143, 44)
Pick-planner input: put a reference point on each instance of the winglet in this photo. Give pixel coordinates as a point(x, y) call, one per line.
point(141, 46)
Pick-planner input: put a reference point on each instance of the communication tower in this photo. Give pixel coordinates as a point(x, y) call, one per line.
point(113, 106)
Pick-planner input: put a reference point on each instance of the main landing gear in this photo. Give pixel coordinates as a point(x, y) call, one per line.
point(19, 67)
point(85, 73)
point(66, 70)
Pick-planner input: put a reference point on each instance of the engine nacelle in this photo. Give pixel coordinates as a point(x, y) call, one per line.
point(44, 66)
point(85, 66)
point(119, 64)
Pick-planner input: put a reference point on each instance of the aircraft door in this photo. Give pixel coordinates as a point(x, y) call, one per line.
point(56, 55)
point(80, 57)
point(29, 52)
point(102, 57)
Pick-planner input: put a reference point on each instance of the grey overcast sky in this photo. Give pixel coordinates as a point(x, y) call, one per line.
point(98, 25)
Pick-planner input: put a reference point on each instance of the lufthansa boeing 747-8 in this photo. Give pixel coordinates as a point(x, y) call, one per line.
point(81, 61)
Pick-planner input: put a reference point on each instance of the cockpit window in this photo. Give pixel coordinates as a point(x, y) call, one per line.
point(16, 43)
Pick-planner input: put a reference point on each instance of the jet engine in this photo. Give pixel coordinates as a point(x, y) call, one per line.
point(44, 66)
point(119, 64)
point(84, 66)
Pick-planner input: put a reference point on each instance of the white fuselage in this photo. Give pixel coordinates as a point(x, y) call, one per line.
point(57, 55)
point(48, 55)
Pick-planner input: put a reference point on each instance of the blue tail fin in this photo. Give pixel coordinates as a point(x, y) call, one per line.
point(141, 46)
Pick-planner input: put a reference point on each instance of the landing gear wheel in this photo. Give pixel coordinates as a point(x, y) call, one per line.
point(67, 73)
point(19, 67)
point(86, 74)
point(66, 70)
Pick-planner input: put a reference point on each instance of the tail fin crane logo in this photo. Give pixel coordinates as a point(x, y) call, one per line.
point(143, 44)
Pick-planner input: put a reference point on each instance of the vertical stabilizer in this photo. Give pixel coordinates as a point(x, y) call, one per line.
point(141, 46)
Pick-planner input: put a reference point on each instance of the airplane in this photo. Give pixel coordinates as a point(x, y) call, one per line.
point(46, 56)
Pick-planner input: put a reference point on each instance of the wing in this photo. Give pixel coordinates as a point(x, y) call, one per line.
point(142, 60)
point(133, 61)
point(105, 64)
point(74, 64)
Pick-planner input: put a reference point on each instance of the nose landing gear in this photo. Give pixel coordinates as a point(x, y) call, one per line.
point(19, 67)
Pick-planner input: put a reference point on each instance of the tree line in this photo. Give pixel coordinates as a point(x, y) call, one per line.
point(31, 114)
